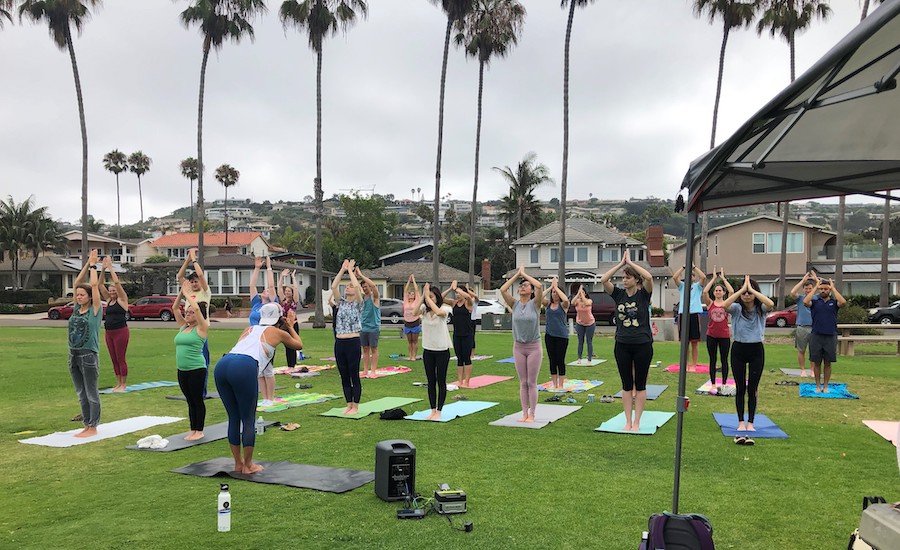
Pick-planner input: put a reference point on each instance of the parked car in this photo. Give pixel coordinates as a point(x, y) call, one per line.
point(885, 315)
point(489, 306)
point(784, 318)
point(391, 310)
point(602, 307)
point(64, 312)
point(153, 307)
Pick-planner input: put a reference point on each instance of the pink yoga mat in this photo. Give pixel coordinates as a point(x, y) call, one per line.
point(486, 380)
point(701, 368)
point(887, 430)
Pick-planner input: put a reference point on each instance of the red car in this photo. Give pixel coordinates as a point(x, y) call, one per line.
point(784, 318)
point(159, 307)
point(64, 312)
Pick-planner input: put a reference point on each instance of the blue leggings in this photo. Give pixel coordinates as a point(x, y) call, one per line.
point(585, 333)
point(235, 377)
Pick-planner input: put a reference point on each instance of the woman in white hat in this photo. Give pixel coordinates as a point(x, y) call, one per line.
point(236, 374)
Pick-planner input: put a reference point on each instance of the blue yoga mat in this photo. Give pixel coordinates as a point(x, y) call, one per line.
point(454, 410)
point(142, 386)
point(835, 391)
point(765, 428)
point(507, 360)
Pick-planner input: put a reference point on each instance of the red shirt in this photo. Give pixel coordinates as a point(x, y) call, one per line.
point(718, 322)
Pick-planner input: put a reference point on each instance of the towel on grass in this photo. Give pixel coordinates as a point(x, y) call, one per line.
point(764, 428)
point(835, 391)
point(387, 371)
point(572, 385)
point(104, 431)
point(295, 400)
point(707, 386)
point(142, 386)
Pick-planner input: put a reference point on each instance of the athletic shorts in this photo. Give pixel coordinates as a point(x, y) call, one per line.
point(412, 330)
point(694, 327)
point(268, 372)
point(823, 346)
point(801, 338)
point(369, 339)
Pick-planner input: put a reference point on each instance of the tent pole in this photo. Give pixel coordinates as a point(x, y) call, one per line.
point(684, 329)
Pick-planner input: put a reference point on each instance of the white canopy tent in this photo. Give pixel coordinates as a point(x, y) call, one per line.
point(834, 131)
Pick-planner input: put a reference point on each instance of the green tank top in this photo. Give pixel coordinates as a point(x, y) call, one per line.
point(189, 349)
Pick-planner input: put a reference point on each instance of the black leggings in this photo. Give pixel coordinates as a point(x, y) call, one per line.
point(634, 364)
point(742, 356)
point(436, 373)
point(462, 347)
point(347, 354)
point(291, 354)
point(720, 345)
point(192, 382)
point(556, 352)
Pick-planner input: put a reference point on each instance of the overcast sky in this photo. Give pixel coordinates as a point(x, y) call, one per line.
point(642, 85)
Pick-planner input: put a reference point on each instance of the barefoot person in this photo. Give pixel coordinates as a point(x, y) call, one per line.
point(823, 340)
point(718, 334)
point(634, 336)
point(585, 324)
point(116, 324)
point(436, 348)
point(84, 346)
point(288, 292)
point(236, 379)
point(463, 330)
point(347, 344)
point(527, 352)
point(804, 319)
point(193, 330)
point(257, 301)
point(748, 323)
point(698, 279)
point(371, 324)
point(412, 322)
point(200, 292)
point(556, 337)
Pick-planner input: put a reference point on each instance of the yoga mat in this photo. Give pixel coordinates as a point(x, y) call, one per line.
point(376, 406)
point(586, 363)
point(329, 359)
point(476, 357)
point(294, 400)
point(835, 391)
point(299, 369)
point(507, 360)
point(486, 380)
point(104, 431)
point(653, 391)
point(765, 428)
point(141, 386)
point(573, 385)
point(320, 478)
point(210, 395)
point(796, 372)
point(543, 415)
point(387, 371)
point(454, 410)
point(887, 430)
point(650, 421)
point(700, 369)
point(178, 441)
point(707, 386)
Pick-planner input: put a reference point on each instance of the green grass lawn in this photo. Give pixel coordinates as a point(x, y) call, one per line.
point(563, 486)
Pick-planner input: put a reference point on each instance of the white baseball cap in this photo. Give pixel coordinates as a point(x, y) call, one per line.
point(269, 314)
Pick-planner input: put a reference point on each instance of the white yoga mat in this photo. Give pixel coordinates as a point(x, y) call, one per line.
point(545, 414)
point(586, 363)
point(104, 431)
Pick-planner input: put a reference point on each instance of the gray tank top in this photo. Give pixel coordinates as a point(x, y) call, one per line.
point(525, 322)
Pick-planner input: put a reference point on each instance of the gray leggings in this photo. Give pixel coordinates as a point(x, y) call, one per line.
point(585, 333)
point(84, 367)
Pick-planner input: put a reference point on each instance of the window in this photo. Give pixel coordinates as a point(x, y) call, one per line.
point(610, 255)
point(176, 253)
point(226, 282)
point(759, 243)
point(770, 243)
point(570, 254)
point(716, 247)
point(637, 254)
point(582, 254)
point(243, 250)
point(535, 256)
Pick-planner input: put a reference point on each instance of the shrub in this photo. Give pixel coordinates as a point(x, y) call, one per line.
point(236, 302)
point(657, 312)
point(30, 296)
point(852, 314)
point(27, 308)
point(310, 295)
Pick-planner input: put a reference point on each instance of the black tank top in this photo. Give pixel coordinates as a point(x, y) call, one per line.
point(115, 317)
point(462, 321)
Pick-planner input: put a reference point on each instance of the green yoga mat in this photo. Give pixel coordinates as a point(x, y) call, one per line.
point(377, 406)
point(650, 421)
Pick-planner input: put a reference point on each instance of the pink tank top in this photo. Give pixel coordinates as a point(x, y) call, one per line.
point(584, 316)
point(718, 322)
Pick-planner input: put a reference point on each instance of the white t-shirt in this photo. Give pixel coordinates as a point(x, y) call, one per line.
point(435, 334)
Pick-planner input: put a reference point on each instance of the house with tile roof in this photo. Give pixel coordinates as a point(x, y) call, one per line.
point(391, 279)
point(176, 245)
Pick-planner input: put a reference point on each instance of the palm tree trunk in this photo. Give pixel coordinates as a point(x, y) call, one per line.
point(561, 275)
point(226, 215)
point(435, 254)
point(885, 238)
point(839, 245)
point(475, 187)
point(191, 202)
point(793, 55)
point(320, 210)
point(118, 210)
point(201, 211)
point(30, 268)
point(782, 270)
point(865, 10)
point(141, 198)
point(712, 137)
point(84, 148)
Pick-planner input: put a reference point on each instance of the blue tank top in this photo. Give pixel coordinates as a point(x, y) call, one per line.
point(371, 316)
point(556, 322)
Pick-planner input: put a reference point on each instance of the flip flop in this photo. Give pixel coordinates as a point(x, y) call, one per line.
point(749, 442)
point(291, 426)
point(740, 440)
point(77, 418)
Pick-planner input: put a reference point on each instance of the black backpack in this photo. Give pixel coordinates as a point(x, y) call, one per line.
point(678, 532)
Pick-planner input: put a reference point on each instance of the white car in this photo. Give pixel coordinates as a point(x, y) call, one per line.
point(489, 306)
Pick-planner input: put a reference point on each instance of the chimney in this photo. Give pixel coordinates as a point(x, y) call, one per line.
point(655, 246)
point(485, 274)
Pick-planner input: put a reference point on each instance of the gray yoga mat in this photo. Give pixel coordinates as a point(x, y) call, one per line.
point(653, 391)
point(544, 415)
point(210, 433)
point(210, 395)
point(285, 472)
point(796, 372)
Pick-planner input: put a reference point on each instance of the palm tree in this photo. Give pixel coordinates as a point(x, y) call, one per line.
point(565, 160)
point(521, 209)
point(139, 164)
point(5, 6)
point(219, 20)
point(787, 18)
point(456, 10)
point(190, 169)
point(22, 229)
point(115, 162)
point(320, 19)
point(43, 234)
point(60, 16)
point(228, 176)
point(490, 29)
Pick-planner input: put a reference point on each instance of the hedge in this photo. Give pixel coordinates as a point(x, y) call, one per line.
point(30, 296)
point(28, 308)
point(236, 301)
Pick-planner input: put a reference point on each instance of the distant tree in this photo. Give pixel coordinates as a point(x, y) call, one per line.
point(858, 221)
point(228, 176)
point(116, 162)
point(425, 212)
point(139, 164)
point(190, 169)
point(521, 210)
point(368, 228)
point(455, 251)
point(5, 6)
point(94, 225)
point(23, 230)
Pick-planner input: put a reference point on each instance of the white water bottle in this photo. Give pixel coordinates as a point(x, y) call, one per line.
point(260, 426)
point(224, 509)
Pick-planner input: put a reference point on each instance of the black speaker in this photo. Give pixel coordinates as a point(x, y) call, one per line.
point(395, 470)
